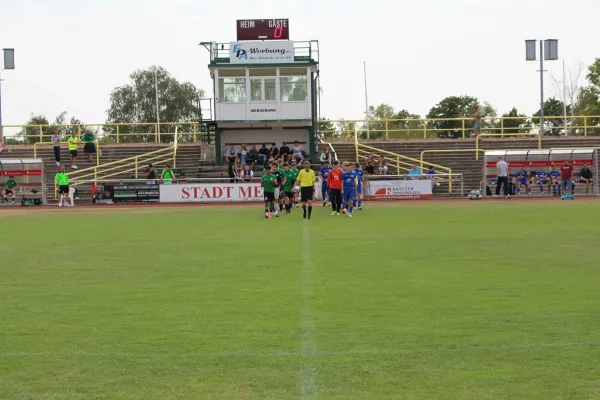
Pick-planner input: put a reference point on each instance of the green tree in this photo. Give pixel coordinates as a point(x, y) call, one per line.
point(402, 124)
point(135, 103)
point(515, 122)
point(327, 129)
point(31, 132)
point(589, 100)
point(552, 108)
point(457, 107)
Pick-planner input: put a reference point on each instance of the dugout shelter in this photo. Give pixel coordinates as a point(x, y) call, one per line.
point(29, 174)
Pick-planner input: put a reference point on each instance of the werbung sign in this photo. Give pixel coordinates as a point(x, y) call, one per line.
point(210, 192)
point(400, 190)
point(261, 52)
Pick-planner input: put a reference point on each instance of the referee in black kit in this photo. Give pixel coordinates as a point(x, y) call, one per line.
point(306, 179)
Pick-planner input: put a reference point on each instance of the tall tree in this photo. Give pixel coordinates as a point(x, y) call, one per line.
point(135, 103)
point(515, 122)
point(456, 107)
point(552, 108)
point(61, 124)
point(402, 124)
point(327, 129)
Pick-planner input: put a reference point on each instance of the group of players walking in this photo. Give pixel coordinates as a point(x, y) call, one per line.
point(341, 187)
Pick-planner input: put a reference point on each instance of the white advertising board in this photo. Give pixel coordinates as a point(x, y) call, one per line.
point(399, 189)
point(210, 192)
point(271, 52)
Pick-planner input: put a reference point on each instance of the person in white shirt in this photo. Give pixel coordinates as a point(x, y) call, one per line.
point(230, 154)
point(297, 151)
point(247, 173)
point(325, 156)
point(502, 170)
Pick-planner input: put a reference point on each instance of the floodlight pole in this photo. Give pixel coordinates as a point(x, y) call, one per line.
point(541, 88)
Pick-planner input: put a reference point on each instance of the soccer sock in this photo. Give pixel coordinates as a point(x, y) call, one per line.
point(354, 203)
point(350, 208)
point(541, 189)
point(359, 203)
point(62, 196)
point(304, 208)
point(309, 211)
point(276, 207)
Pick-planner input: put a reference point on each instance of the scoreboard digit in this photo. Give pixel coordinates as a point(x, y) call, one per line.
point(263, 29)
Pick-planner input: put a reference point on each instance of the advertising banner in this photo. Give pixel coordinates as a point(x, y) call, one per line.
point(211, 192)
point(132, 193)
point(399, 189)
point(261, 52)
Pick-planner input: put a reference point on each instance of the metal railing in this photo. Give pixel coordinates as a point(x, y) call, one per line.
point(447, 151)
point(478, 138)
point(124, 166)
point(35, 146)
point(455, 128)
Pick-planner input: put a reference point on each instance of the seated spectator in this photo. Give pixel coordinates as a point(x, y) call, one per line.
point(182, 178)
point(273, 151)
point(284, 152)
point(247, 173)
point(431, 175)
point(383, 167)
point(10, 189)
point(238, 166)
point(298, 152)
point(230, 154)
point(264, 153)
point(252, 155)
point(370, 165)
point(585, 176)
point(243, 153)
point(325, 155)
point(414, 172)
point(231, 171)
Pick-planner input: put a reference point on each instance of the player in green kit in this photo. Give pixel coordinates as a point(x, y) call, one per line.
point(268, 183)
point(289, 177)
point(295, 171)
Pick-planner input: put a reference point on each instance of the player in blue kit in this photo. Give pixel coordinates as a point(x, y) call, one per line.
point(360, 180)
point(542, 179)
point(555, 181)
point(324, 189)
point(522, 179)
point(349, 188)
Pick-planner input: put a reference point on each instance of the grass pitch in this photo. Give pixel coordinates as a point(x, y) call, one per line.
point(473, 300)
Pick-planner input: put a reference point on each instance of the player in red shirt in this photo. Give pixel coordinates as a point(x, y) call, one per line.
point(334, 183)
point(566, 175)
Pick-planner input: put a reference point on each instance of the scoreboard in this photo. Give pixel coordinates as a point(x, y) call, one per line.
point(263, 29)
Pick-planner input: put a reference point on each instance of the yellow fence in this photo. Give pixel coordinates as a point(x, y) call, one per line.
point(423, 128)
point(453, 128)
point(127, 165)
point(36, 145)
point(115, 133)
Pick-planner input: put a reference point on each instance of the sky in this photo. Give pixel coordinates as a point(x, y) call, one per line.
point(70, 54)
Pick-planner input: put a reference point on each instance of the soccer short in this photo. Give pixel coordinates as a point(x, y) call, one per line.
point(63, 189)
point(543, 181)
point(289, 194)
point(270, 197)
point(89, 148)
point(348, 195)
point(306, 193)
point(523, 181)
point(73, 153)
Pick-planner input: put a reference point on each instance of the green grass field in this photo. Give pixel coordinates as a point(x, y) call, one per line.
point(473, 300)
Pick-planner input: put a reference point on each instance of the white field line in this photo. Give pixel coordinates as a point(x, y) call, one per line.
point(308, 351)
point(315, 353)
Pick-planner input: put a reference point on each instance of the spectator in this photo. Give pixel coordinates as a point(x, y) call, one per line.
point(253, 155)
point(10, 188)
point(431, 175)
point(230, 154)
point(150, 174)
point(238, 166)
point(182, 179)
point(502, 177)
point(247, 173)
point(383, 168)
point(284, 152)
point(264, 153)
point(325, 155)
point(231, 172)
point(89, 146)
point(585, 176)
point(298, 152)
point(273, 151)
point(370, 164)
point(477, 119)
point(167, 175)
point(243, 153)
point(566, 175)
point(56, 139)
point(414, 172)
point(73, 144)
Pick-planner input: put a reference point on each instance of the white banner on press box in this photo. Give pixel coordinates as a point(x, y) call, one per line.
point(403, 190)
point(211, 192)
point(261, 52)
